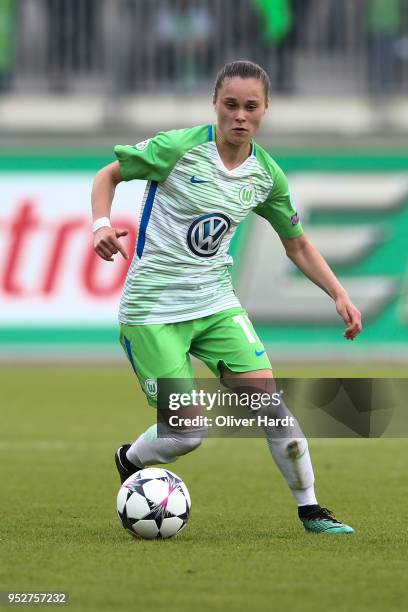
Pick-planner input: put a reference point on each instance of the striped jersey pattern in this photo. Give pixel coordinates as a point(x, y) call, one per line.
point(191, 209)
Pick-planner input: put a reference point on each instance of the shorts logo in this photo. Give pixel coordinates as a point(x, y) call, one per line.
point(142, 145)
point(151, 387)
point(247, 194)
point(294, 219)
point(205, 234)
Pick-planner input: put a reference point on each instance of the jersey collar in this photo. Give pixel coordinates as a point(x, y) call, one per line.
point(212, 132)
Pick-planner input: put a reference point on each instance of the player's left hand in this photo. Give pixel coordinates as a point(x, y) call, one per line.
point(350, 315)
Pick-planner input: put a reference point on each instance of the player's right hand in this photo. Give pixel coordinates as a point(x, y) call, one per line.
point(107, 243)
point(350, 315)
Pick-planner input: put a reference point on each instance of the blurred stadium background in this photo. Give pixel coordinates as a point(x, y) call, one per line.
point(78, 76)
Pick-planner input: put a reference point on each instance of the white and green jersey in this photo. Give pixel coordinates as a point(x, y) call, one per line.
point(191, 209)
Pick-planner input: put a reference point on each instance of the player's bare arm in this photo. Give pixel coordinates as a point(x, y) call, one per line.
point(308, 259)
point(106, 238)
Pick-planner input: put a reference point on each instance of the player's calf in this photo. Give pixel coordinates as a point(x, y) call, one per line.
point(163, 444)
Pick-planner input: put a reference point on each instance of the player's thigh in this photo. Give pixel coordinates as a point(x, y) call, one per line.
point(228, 342)
point(157, 351)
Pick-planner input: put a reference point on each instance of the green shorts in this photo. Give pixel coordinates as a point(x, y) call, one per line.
point(225, 339)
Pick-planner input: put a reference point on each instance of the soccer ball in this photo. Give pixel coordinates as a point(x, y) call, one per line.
point(153, 503)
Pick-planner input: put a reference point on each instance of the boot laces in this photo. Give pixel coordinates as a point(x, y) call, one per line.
point(323, 513)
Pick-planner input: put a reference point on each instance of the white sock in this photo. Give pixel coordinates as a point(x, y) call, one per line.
point(305, 497)
point(293, 459)
point(149, 449)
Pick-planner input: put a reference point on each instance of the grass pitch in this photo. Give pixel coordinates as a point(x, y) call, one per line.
point(243, 547)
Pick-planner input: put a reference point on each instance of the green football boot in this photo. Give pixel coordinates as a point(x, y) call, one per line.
point(323, 521)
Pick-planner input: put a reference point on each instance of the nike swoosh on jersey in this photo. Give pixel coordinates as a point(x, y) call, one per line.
point(259, 353)
point(197, 181)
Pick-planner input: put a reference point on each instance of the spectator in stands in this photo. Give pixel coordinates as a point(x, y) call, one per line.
point(384, 26)
point(184, 32)
point(282, 25)
point(7, 16)
point(71, 36)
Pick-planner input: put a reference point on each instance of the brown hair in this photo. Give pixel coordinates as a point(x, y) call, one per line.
point(245, 70)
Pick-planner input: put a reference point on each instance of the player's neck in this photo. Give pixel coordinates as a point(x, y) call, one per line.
point(231, 155)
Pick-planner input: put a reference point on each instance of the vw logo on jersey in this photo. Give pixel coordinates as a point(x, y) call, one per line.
point(205, 234)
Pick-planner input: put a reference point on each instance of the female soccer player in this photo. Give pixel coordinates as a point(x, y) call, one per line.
point(178, 297)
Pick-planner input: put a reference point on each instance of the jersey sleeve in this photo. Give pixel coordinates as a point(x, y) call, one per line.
point(152, 159)
point(278, 208)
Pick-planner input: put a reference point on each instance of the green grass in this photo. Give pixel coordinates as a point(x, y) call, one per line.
point(243, 547)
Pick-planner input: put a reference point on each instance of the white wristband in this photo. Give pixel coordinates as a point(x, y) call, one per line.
point(101, 222)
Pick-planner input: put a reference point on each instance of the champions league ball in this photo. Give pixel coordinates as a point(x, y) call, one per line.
point(153, 504)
